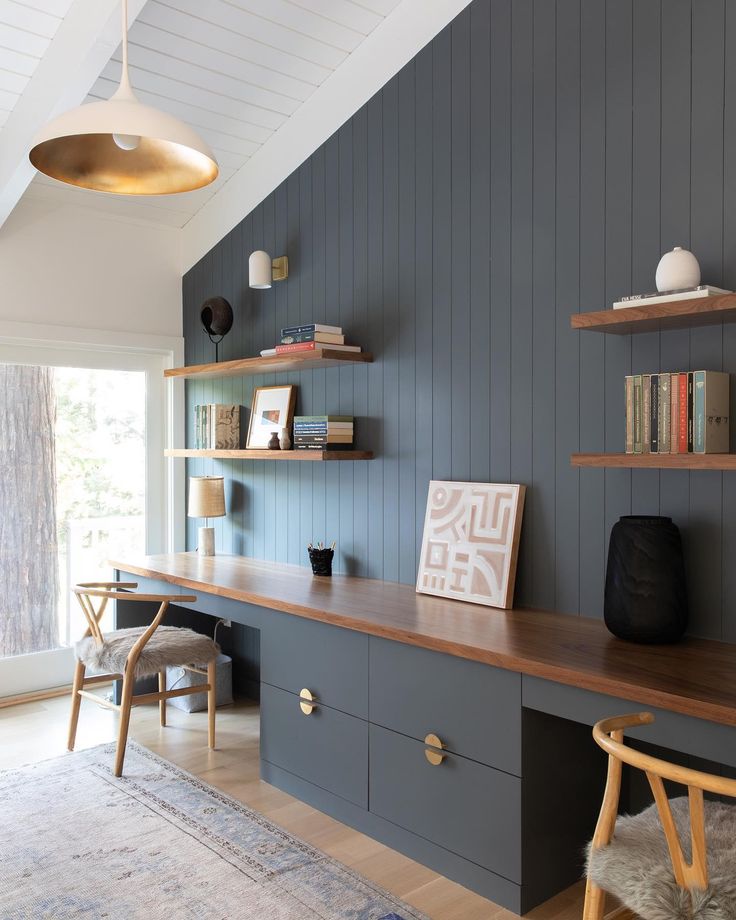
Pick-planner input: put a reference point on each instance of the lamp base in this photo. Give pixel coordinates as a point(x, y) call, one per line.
point(206, 541)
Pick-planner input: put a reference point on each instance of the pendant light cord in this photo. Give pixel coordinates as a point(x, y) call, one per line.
point(124, 79)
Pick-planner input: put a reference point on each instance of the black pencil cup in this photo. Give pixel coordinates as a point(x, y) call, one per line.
point(321, 560)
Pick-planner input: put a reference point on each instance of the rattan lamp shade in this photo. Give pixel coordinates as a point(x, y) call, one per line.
point(206, 496)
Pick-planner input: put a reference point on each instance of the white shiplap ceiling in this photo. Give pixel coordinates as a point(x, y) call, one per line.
point(236, 70)
point(26, 30)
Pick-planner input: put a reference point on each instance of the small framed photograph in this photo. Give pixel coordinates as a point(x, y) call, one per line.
point(272, 410)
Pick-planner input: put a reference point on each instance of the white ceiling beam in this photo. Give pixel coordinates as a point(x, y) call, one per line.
point(84, 42)
point(391, 45)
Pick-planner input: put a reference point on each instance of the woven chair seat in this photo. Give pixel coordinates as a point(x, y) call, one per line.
point(636, 868)
point(169, 646)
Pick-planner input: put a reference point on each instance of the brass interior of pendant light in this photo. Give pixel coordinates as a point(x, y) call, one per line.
point(123, 146)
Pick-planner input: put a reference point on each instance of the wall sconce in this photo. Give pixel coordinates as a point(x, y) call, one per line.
point(262, 270)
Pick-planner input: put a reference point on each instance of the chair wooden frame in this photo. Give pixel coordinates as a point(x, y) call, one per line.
point(609, 735)
point(117, 590)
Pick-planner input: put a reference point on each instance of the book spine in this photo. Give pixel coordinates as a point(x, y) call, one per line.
point(699, 412)
point(332, 419)
point(297, 330)
point(629, 403)
point(654, 415)
point(674, 412)
point(682, 410)
point(665, 404)
point(716, 412)
point(196, 427)
point(637, 414)
point(300, 438)
point(297, 338)
point(297, 347)
point(690, 412)
point(312, 446)
point(323, 338)
point(646, 413)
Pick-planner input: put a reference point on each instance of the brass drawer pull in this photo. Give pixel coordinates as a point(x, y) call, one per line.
point(308, 701)
point(433, 753)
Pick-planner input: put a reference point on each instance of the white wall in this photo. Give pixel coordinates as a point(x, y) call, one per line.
point(71, 266)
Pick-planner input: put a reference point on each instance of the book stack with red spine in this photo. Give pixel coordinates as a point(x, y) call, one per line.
point(677, 413)
point(309, 338)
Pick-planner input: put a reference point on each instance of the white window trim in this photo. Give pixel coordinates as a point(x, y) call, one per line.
point(35, 344)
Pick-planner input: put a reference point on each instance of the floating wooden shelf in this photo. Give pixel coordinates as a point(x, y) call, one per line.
point(314, 455)
point(657, 461)
point(674, 314)
point(275, 364)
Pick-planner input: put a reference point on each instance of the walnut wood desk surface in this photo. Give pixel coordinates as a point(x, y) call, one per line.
point(697, 677)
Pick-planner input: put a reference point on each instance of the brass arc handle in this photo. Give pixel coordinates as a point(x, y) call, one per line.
point(433, 752)
point(307, 701)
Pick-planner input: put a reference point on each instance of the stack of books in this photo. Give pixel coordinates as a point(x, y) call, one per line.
point(323, 432)
point(691, 293)
point(677, 413)
point(312, 337)
point(216, 427)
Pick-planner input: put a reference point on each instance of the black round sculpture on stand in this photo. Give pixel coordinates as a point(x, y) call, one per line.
point(646, 592)
point(217, 318)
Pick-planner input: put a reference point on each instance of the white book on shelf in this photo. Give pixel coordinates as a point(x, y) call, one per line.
point(704, 290)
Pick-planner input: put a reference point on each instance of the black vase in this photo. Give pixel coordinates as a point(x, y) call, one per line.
point(646, 593)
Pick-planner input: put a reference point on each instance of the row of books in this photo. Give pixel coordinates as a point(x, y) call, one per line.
point(216, 427)
point(689, 293)
point(323, 432)
point(677, 413)
point(312, 337)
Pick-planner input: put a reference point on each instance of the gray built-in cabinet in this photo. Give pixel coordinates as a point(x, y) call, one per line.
point(497, 814)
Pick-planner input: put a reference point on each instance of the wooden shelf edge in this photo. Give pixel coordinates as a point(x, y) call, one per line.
point(656, 461)
point(672, 314)
point(299, 455)
point(273, 364)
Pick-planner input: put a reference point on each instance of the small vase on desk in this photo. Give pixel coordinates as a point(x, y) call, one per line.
point(646, 594)
point(285, 439)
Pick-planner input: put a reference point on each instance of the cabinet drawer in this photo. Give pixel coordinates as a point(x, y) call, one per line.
point(474, 708)
point(463, 806)
point(329, 661)
point(328, 748)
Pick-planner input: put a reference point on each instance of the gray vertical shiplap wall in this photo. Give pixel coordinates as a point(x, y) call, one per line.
point(534, 160)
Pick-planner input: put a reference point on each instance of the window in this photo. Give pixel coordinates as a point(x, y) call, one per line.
point(82, 480)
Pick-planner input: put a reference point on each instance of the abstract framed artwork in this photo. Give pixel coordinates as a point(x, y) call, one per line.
point(471, 541)
point(272, 410)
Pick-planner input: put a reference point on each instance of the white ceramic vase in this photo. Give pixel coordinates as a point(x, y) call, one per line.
point(677, 269)
point(284, 439)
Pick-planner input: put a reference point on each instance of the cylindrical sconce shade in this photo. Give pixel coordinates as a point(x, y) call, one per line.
point(260, 270)
point(206, 496)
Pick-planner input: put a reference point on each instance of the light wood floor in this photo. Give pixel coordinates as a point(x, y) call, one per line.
point(36, 731)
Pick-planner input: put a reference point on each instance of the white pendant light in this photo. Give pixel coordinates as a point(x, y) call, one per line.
point(124, 146)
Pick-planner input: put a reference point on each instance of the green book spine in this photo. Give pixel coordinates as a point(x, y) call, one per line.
point(654, 415)
point(629, 398)
point(699, 412)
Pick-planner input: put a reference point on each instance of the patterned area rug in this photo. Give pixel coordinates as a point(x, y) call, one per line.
point(159, 843)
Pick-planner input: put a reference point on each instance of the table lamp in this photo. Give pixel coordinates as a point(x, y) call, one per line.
point(206, 500)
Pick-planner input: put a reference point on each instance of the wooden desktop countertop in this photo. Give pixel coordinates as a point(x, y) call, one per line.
point(696, 677)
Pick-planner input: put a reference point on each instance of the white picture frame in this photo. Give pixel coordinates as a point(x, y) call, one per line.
point(272, 409)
